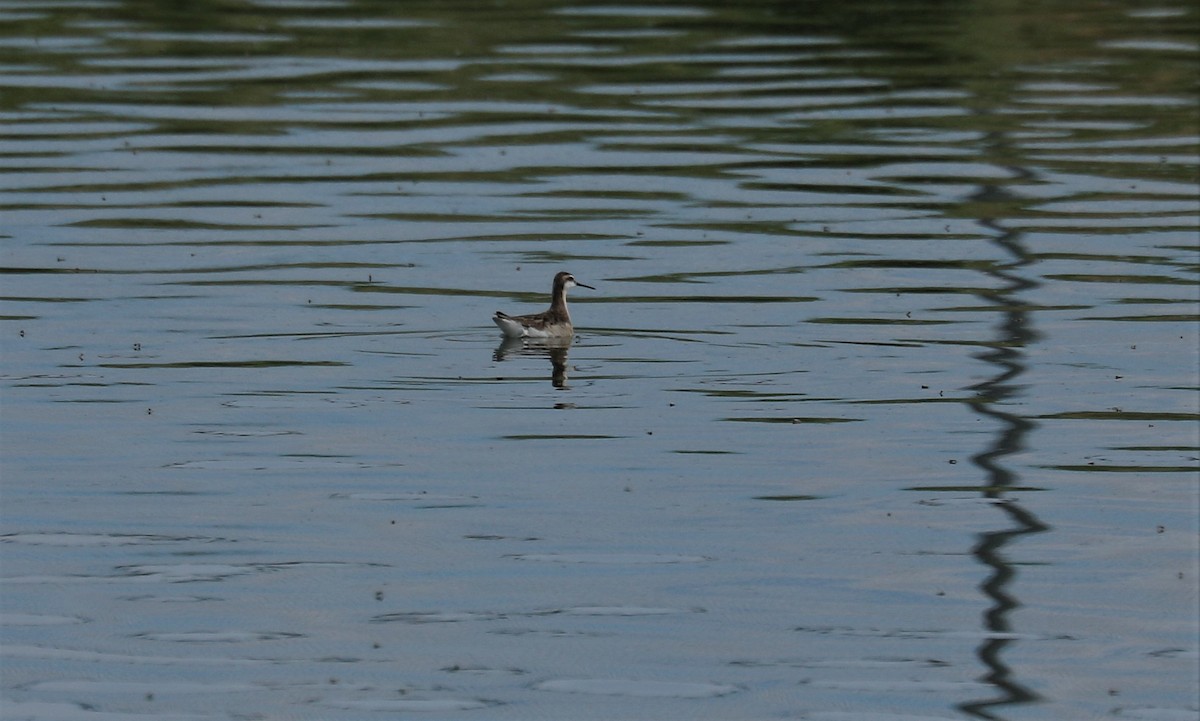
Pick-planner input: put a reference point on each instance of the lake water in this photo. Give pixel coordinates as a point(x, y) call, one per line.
point(884, 406)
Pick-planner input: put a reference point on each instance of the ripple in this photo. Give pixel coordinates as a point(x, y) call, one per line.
point(291, 402)
point(858, 716)
point(551, 633)
point(355, 23)
point(618, 611)
point(905, 633)
point(423, 617)
point(193, 572)
point(217, 636)
point(47, 653)
point(35, 619)
point(631, 559)
point(902, 686)
point(270, 464)
point(64, 711)
point(433, 500)
point(193, 37)
point(155, 598)
point(413, 705)
point(138, 688)
point(636, 688)
point(64, 538)
point(1153, 713)
point(866, 664)
point(188, 572)
point(633, 11)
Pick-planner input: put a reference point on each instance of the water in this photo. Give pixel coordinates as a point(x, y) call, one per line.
point(884, 406)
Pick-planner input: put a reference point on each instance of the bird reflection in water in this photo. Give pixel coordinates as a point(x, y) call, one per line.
point(553, 348)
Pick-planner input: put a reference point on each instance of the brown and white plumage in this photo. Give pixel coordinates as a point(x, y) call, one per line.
point(552, 323)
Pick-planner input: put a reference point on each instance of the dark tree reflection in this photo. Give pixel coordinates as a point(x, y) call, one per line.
point(992, 398)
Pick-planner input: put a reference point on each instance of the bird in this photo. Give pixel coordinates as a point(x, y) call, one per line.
point(553, 323)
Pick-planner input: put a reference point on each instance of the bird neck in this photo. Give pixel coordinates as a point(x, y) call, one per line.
point(558, 302)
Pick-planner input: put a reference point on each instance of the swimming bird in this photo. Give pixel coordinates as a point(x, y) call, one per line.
point(553, 323)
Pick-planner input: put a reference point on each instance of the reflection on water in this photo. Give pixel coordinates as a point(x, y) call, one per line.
point(248, 253)
point(996, 399)
point(556, 349)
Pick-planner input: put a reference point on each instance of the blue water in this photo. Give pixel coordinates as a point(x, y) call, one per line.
point(883, 407)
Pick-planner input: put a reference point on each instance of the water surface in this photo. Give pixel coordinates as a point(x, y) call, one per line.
point(884, 406)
